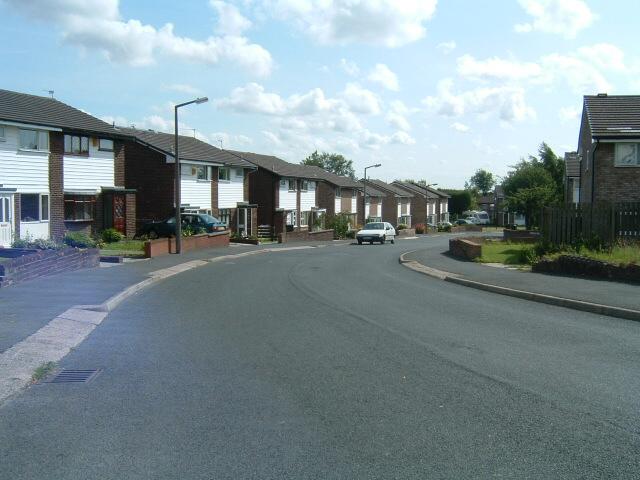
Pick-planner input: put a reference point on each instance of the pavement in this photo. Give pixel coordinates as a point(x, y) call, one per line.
point(334, 363)
point(616, 295)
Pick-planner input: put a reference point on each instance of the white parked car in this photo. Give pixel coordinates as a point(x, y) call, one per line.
point(376, 232)
point(478, 217)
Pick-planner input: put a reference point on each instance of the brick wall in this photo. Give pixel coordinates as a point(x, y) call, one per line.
point(390, 209)
point(325, 197)
point(418, 210)
point(298, 227)
point(118, 163)
point(467, 248)
point(130, 204)
point(305, 236)
point(614, 184)
point(245, 184)
point(147, 172)
point(263, 191)
point(214, 192)
point(585, 149)
point(16, 214)
point(98, 214)
point(56, 186)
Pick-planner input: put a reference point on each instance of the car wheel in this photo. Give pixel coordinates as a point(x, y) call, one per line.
point(393, 240)
point(153, 234)
point(383, 239)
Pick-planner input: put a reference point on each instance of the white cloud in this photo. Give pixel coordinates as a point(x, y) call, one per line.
point(351, 68)
point(459, 127)
point(183, 88)
point(380, 22)
point(252, 98)
point(582, 76)
point(398, 113)
point(604, 56)
point(133, 43)
point(497, 68)
point(229, 141)
point(568, 114)
point(446, 47)
point(361, 100)
point(230, 20)
point(382, 75)
point(403, 138)
point(562, 17)
point(508, 102)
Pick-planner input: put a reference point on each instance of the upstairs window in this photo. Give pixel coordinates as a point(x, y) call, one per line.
point(76, 145)
point(627, 155)
point(105, 145)
point(354, 193)
point(292, 184)
point(2, 137)
point(224, 174)
point(338, 192)
point(203, 172)
point(33, 140)
point(304, 185)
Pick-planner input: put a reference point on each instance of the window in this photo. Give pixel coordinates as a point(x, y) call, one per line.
point(291, 217)
point(105, 145)
point(354, 193)
point(338, 192)
point(304, 218)
point(224, 214)
point(627, 155)
point(292, 184)
point(304, 185)
point(224, 174)
point(238, 173)
point(76, 145)
point(203, 172)
point(34, 207)
point(78, 208)
point(2, 137)
point(33, 140)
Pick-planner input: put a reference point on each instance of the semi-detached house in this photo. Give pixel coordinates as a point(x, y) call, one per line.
point(340, 195)
point(212, 180)
point(60, 170)
point(396, 202)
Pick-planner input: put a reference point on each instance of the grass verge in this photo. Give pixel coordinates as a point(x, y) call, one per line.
point(504, 252)
point(125, 248)
point(42, 371)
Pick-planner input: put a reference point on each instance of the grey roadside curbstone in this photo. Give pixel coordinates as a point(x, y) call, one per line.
point(581, 305)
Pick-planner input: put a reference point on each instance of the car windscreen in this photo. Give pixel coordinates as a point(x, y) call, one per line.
point(374, 226)
point(209, 219)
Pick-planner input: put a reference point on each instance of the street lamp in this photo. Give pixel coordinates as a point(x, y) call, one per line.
point(364, 191)
point(177, 171)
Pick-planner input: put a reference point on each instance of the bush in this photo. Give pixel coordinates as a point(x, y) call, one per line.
point(420, 228)
point(79, 240)
point(351, 234)
point(444, 228)
point(402, 226)
point(339, 224)
point(111, 235)
point(37, 243)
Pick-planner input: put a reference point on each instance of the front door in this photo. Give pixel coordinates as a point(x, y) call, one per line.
point(119, 213)
point(6, 219)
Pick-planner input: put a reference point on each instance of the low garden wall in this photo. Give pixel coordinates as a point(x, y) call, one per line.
point(22, 265)
point(164, 246)
point(524, 236)
point(467, 248)
point(588, 267)
point(305, 236)
point(466, 228)
point(407, 232)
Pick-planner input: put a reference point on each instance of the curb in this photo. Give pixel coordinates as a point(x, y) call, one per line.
point(581, 305)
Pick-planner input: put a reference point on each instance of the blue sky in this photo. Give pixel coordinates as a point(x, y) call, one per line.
point(431, 89)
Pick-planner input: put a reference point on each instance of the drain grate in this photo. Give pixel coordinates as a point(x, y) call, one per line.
point(74, 376)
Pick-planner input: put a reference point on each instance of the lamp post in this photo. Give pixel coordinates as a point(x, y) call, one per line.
point(177, 171)
point(364, 190)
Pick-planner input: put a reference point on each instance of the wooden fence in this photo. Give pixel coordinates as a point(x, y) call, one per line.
point(604, 222)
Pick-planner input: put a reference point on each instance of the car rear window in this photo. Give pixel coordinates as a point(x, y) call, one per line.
point(374, 226)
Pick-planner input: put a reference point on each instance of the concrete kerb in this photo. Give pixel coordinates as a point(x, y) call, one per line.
point(581, 305)
point(59, 336)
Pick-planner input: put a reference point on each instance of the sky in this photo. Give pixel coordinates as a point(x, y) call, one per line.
point(432, 90)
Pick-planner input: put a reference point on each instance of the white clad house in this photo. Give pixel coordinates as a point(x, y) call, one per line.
point(58, 171)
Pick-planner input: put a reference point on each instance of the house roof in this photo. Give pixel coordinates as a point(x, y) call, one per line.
point(613, 116)
point(190, 148)
point(386, 187)
point(371, 190)
point(571, 164)
point(486, 200)
point(280, 167)
point(337, 180)
point(49, 112)
point(415, 189)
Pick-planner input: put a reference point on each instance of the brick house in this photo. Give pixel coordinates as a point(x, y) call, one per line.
point(212, 180)
point(372, 211)
point(60, 170)
point(428, 206)
point(396, 202)
point(609, 149)
point(338, 194)
point(287, 193)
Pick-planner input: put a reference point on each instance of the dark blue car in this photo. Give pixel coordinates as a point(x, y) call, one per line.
point(197, 222)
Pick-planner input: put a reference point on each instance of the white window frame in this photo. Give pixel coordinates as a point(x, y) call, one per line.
point(304, 185)
point(40, 209)
point(354, 193)
point(291, 181)
point(42, 139)
point(207, 172)
point(3, 133)
point(224, 215)
point(105, 149)
point(617, 155)
point(292, 217)
point(81, 139)
point(338, 192)
point(304, 218)
point(224, 174)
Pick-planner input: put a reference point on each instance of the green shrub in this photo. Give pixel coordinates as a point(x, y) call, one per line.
point(79, 240)
point(402, 226)
point(37, 243)
point(351, 234)
point(444, 228)
point(339, 224)
point(111, 235)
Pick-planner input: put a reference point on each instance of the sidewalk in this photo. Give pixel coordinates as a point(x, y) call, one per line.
point(603, 292)
point(27, 307)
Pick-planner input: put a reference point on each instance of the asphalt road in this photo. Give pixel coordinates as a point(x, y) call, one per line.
point(335, 362)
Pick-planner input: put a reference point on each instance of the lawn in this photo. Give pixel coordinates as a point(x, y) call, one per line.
point(503, 252)
point(621, 255)
point(125, 248)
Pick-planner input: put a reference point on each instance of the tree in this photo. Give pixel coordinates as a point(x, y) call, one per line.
point(332, 162)
point(459, 201)
point(482, 181)
point(554, 165)
point(528, 188)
